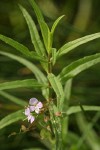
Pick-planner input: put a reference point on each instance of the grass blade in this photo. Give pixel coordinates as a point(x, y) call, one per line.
point(89, 133)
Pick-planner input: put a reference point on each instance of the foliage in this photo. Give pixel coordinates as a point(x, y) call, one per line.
point(55, 115)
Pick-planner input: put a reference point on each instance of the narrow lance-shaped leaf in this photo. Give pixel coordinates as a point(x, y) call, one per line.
point(67, 93)
point(33, 32)
point(54, 56)
point(12, 98)
point(38, 74)
point(44, 28)
point(20, 47)
point(53, 29)
point(56, 23)
point(78, 66)
point(20, 83)
point(35, 56)
point(56, 85)
point(88, 132)
point(37, 10)
point(11, 118)
point(15, 44)
point(76, 109)
point(73, 44)
point(46, 36)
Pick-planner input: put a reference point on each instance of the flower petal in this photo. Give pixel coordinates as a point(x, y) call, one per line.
point(32, 108)
point(27, 111)
point(39, 105)
point(33, 101)
point(29, 117)
point(37, 110)
point(32, 119)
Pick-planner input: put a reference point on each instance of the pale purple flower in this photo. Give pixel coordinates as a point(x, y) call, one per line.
point(30, 118)
point(28, 114)
point(33, 101)
point(27, 111)
point(34, 106)
point(37, 110)
point(38, 107)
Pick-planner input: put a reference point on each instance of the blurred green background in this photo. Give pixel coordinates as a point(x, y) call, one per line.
point(82, 17)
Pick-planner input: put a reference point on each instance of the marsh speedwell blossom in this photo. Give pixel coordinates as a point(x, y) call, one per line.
point(33, 109)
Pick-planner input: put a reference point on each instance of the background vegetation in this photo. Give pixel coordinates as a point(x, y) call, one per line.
point(82, 17)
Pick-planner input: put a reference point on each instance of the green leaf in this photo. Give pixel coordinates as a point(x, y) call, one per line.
point(38, 74)
point(34, 33)
point(12, 98)
point(67, 91)
point(11, 118)
point(24, 50)
point(21, 48)
point(20, 83)
point(78, 66)
point(65, 121)
point(54, 56)
point(43, 26)
point(56, 85)
point(88, 133)
point(53, 29)
point(34, 55)
point(55, 24)
point(37, 10)
point(73, 44)
point(46, 36)
point(76, 109)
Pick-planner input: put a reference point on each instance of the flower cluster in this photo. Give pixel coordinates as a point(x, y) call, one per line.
point(33, 107)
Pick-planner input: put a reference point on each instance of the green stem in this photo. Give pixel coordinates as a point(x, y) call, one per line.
point(56, 125)
point(59, 134)
point(65, 121)
point(55, 120)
